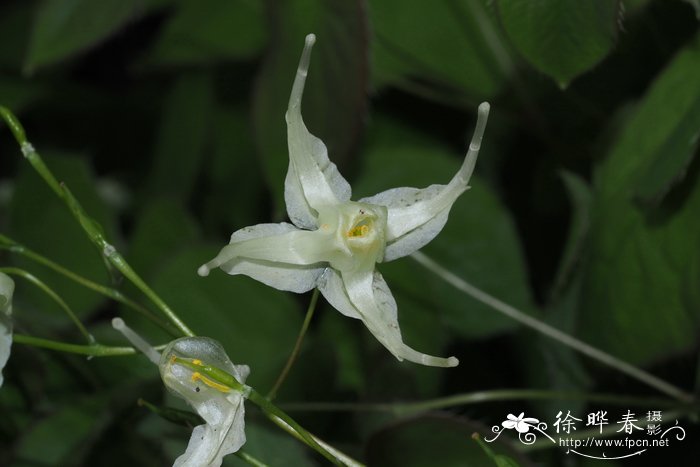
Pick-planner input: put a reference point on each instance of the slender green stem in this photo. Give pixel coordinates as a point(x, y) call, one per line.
point(250, 459)
point(91, 228)
point(94, 350)
point(297, 345)
point(277, 416)
point(16, 247)
point(412, 408)
point(54, 296)
point(550, 331)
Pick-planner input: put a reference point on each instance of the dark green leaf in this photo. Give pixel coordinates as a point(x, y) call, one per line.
point(434, 440)
point(211, 30)
point(182, 136)
point(335, 97)
point(273, 447)
point(256, 324)
point(561, 38)
point(455, 46)
point(640, 298)
point(63, 28)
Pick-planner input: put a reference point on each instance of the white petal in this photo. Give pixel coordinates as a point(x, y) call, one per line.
point(331, 286)
point(211, 442)
point(7, 287)
point(278, 255)
point(312, 180)
point(417, 237)
point(413, 209)
point(376, 306)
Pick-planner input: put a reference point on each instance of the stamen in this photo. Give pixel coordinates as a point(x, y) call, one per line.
point(197, 376)
point(136, 340)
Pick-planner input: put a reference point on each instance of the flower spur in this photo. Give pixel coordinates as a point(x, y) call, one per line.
point(334, 243)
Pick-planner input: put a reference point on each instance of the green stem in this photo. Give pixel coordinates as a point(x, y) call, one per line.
point(16, 247)
point(54, 296)
point(277, 416)
point(297, 345)
point(250, 459)
point(551, 331)
point(412, 408)
point(91, 228)
point(94, 350)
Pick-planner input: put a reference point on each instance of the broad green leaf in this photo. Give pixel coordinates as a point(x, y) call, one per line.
point(163, 229)
point(41, 221)
point(63, 437)
point(63, 28)
point(334, 102)
point(479, 242)
point(15, 21)
point(640, 298)
point(453, 46)
point(235, 190)
point(435, 440)
point(561, 38)
point(273, 447)
point(182, 136)
point(206, 31)
point(256, 324)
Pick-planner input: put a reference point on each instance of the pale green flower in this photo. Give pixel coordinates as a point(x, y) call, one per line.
point(334, 243)
point(7, 287)
point(181, 368)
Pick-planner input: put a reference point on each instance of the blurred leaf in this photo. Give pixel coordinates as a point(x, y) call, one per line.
point(15, 23)
point(434, 440)
point(235, 188)
point(206, 31)
point(696, 6)
point(640, 298)
point(163, 229)
point(183, 134)
point(63, 437)
point(335, 96)
point(63, 28)
point(41, 221)
point(273, 447)
point(256, 324)
point(454, 45)
point(479, 242)
point(561, 38)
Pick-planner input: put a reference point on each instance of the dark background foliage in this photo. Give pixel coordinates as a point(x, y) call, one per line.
point(165, 117)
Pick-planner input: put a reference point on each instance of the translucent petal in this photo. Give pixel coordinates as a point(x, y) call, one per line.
point(7, 287)
point(417, 237)
point(410, 209)
point(221, 407)
point(331, 286)
point(312, 180)
point(376, 306)
point(279, 255)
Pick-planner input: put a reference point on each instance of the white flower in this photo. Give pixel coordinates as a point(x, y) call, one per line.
point(335, 243)
point(7, 287)
point(186, 366)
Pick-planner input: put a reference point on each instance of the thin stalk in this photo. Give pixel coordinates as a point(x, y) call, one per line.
point(54, 296)
point(297, 345)
point(550, 331)
point(412, 408)
point(250, 459)
point(272, 411)
point(91, 228)
point(15, 247)
point(94, 350)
